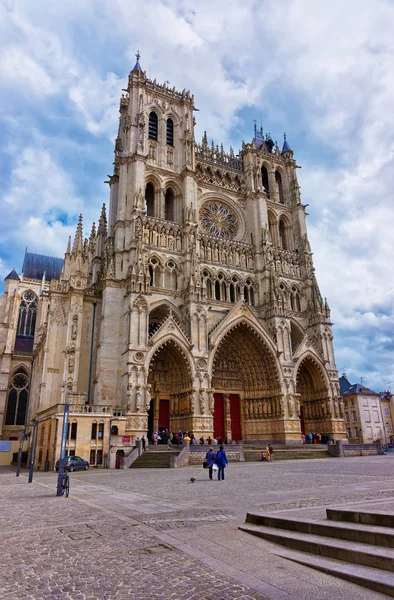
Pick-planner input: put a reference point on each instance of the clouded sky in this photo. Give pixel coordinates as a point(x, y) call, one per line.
point(321, 71)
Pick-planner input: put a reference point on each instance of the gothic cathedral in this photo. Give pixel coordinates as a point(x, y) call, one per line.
point(194, 305)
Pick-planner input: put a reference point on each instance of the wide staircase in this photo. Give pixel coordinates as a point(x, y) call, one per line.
point(155, 457)
point(353, 545)
point(282, 452)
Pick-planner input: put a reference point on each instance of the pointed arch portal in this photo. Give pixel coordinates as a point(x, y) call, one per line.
point(315, 405)
point(244, 377)
point(170, 379)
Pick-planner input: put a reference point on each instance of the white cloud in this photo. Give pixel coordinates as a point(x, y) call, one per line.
point(322, 71)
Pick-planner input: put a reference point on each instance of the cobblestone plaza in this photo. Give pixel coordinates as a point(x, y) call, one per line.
point(141, 534)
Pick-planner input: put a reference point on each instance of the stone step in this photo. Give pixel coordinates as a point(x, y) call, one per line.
point(252, 455)
point(363, 534)
point(352, 552)
point(366, 518)
point(368, 577)
point(154, 460)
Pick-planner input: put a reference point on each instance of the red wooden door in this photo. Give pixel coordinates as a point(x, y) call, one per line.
point(164, 414)
point(218, 417)
point(235, 418)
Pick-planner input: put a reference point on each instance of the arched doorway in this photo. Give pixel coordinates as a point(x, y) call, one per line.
point(313, 398)
point(247, 388)
point(170, 380)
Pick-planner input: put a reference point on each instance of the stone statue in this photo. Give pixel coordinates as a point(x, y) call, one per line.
point(74, 328)
point(202, 401)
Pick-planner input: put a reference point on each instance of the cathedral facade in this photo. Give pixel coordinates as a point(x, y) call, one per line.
point(194, 304)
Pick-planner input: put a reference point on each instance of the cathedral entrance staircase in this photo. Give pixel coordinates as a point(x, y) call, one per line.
point(156, 457)
point(356, 546)
point(282, 452)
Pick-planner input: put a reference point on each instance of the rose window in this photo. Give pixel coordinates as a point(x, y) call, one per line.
point(218, 220)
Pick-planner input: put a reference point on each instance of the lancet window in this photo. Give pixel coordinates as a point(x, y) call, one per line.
point(18, 394)
point(295, 300)
point(170, 132)
point(27, 314)
point(150, 199)
point(169, 205)
point(279, 186)
point(153, 126)
point(265, 180)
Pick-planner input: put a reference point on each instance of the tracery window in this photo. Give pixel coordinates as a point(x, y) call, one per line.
point(18, 394)
point(153, 126)
point(27, 314)
point(170, 132)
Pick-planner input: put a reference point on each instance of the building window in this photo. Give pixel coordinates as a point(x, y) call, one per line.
point(351, 402)
point(265, 180)
point(94, 431)
point(347, 418)
point(17, 399)
point(99, 460)
point(170, 132)
point(389, 427)
point(101, 431)
point(169, 205)
point(73, 435)
point(153, 126)
point(348, 433)
point(345, 403)
point(354, 416)
point(356, 433)
point(150, 199)
point(278, 181)
point(92, 459)
point(386, 412)
point(27, 314)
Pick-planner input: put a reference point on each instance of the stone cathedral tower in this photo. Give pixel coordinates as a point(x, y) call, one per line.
point(200, 285)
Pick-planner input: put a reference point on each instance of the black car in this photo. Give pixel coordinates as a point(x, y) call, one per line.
point(73, 463)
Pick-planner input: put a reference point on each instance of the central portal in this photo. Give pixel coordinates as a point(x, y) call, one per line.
point(244, 375)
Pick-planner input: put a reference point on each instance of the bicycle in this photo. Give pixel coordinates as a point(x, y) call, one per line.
point(66, 484)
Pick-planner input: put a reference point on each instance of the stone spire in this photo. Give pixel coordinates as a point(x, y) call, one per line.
point(137, 66)
point(78, 240)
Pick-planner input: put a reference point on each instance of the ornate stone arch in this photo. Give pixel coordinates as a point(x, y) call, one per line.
point(171, 337)
point(312, 357)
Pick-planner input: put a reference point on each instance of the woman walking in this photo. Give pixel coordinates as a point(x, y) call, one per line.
point(221, 461)
point(210, 459)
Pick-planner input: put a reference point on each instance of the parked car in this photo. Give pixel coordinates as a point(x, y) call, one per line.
point(73, 463)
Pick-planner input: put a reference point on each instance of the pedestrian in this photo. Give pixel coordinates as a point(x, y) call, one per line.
point(169, 443)
point(270, 450)
point(201, 441)
point(221, 461)
point(143, 440)
point(186, 437)
point(193, 439)
point(179, 438)
point(210, 459)
point(155, 438)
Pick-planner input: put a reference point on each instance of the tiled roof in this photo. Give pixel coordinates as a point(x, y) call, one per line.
point(35, 265)
point(12, 275)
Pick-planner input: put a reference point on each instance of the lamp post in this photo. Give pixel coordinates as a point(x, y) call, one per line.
point(60, 478)
point(33, 450)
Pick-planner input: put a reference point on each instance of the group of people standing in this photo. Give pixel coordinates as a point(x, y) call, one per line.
point(216, 459)
point(169, 438)
point(314, 438)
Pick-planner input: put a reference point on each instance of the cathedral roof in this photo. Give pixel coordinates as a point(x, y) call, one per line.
point(35, 265)
point(12, 275)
